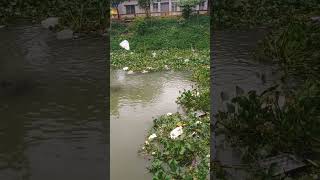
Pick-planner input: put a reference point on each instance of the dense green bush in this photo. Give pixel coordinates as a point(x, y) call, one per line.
point(80, 15)
point(236, 13)
point(295, 47)
point(163, 33)
point(264, 125)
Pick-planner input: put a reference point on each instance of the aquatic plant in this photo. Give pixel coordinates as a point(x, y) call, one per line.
point(184, 156)
point(295, 47)
point(266, 124)
point(162, 33)
point(171, 59)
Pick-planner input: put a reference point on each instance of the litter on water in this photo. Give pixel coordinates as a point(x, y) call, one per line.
point(125, 44)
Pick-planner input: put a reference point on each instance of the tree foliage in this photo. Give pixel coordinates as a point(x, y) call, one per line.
point(145, 4)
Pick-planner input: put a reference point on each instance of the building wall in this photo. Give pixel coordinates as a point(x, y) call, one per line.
point(155, 12)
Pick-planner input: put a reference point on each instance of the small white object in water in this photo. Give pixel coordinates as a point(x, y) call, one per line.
point(208, 156)
point(186, 60)
point(166, 67)
point(125, 68)
point(169, 114)
point(153, 153)
point(125, 44)
point(144, 71)
point(143, 147)
point(154, 54)
point(130, 72)
point(198, 122)
point(176, 132)
point(146, 142)
point(197, 94)
point(152, 136)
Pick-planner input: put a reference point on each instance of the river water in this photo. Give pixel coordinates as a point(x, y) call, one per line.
point(53, 123)
point(233, 65)
point(135, 100)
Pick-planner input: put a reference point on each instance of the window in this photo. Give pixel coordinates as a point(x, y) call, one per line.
point(155, 7)
point(202, 5)
point(130, 9)
point(174, 6)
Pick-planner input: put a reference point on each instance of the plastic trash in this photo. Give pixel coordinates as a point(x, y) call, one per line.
point(125, 44)
point(176, 132)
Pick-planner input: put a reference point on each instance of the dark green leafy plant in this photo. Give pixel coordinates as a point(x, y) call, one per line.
point(295, 47)
point(83, 15)
point(264, 125)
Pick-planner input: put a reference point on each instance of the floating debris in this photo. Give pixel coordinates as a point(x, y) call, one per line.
point(198, 122)
point(50, 22)
point(125, 68)
point(169, 114)
point(199, 113)
point(154, 54)
point(152, 136)
point(144, 71)
point(283, 163)
point(315, 18)
point(125, 44)
point(166, 67)
point(176, 132)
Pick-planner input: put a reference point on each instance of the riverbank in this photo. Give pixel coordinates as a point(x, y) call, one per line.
point(85, 16)
point(164, 44)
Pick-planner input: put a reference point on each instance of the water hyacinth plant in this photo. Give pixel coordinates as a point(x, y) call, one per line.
point(181, 149)
point(260, 127)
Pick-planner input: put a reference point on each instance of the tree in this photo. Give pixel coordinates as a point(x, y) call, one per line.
point(187, 6)
point(145, 4)
point(115, 4)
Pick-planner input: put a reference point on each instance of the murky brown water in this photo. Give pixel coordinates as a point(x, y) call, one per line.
point(135, 100)
point(52, 100)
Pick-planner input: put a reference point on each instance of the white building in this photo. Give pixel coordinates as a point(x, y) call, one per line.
point(131, 9)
